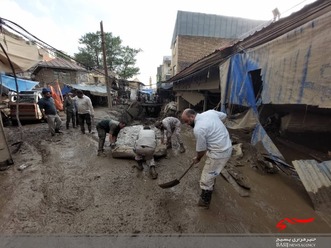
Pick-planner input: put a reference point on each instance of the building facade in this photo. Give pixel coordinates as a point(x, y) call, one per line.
point(197, 35)
point(164, 70)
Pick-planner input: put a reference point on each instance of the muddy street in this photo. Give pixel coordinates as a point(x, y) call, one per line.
point(66, 188)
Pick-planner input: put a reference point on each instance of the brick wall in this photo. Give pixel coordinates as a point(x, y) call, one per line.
point(189, 49)
point(47, 76)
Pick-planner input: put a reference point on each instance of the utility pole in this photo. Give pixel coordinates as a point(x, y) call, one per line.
point(105, 66)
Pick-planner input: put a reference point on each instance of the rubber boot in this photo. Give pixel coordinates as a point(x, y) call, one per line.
point(139, 165)
point(205, 198)
point(182, 148)
point(153, 172)
point(58, 130)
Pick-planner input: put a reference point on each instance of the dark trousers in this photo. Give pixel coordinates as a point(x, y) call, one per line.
point(77, 119)
point(85, 118)
point(71, 116)
point(102, 138)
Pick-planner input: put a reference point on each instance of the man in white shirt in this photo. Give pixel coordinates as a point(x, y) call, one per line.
point(85, 111)
point(144, 149)
point(212, 139)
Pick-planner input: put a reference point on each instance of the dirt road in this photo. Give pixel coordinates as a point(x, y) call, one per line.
point(67, 189)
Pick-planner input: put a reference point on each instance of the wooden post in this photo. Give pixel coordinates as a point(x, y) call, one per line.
point(205, 101)
point(5, 155)
point(105, 66)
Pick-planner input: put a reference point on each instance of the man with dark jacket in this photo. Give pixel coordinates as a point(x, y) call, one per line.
point(49, 112)
point(111, 127)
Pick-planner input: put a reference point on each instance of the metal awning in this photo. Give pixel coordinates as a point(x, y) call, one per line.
point(93, 89)
point(23, 84)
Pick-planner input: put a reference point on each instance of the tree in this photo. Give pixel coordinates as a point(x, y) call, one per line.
point(128, 58)
point(86, 59)
point(120, 59)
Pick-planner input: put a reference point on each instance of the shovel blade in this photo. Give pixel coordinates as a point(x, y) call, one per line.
point(169, 184)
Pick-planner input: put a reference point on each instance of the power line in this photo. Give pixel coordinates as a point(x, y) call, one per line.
point(42, 43)
point(294, 6)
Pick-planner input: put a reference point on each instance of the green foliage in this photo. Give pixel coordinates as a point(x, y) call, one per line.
point(120, 59)
point(128, 58)
point(85, 59)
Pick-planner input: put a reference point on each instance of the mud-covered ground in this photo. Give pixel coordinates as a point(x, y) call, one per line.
point(67, 189)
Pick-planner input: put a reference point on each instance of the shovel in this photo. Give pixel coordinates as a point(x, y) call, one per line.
point(176, 181)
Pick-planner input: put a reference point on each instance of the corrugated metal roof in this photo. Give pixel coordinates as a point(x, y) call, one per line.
point(60, 63)
point(207, 25)
point(316, 178)
point(203, 64)
point(93, 89)
point(313, 175)
point(274, 30)
point(163, 85)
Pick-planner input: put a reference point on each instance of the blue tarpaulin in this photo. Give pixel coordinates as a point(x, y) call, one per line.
point(239, 85)
point(260, 135)
point(65, 90)
point(240, 91)
point(23, 84)
point(147, 91)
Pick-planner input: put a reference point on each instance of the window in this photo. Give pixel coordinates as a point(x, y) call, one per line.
point(256, 82)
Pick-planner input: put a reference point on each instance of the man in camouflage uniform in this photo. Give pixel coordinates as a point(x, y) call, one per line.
point(70, 110)
point(168, 127)
point(170, 110)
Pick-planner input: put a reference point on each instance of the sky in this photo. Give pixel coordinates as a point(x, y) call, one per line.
point(141, 24)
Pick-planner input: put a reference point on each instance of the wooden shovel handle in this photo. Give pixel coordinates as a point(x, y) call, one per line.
point(191, 165)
